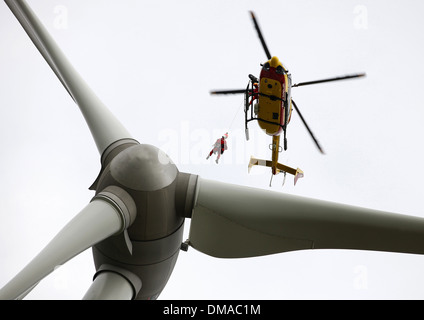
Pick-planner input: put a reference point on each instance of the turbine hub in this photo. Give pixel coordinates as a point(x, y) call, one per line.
point(143, 167)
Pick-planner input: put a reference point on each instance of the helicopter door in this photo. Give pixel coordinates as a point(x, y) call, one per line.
point(288, 103)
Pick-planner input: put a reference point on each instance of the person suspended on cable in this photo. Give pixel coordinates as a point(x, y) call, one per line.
point(219, 147)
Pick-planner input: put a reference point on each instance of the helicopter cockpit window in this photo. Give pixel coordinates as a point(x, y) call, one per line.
point(279, 70)
point(266, 66)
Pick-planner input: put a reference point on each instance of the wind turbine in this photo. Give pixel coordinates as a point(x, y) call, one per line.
point(135, 220)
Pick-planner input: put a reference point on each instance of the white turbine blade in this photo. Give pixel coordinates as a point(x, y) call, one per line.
point(110, 286)
point(97, 221)
point(230, 221)
point(103, 125)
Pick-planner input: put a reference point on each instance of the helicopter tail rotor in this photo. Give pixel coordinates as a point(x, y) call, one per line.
point(297, 173)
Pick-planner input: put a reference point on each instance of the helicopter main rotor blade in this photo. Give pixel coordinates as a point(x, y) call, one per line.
point(349, 76)
point(103, 125)
point(97, 221)
point(258, 30)
point(230, 221)
point(236, 91)
point(307, 127)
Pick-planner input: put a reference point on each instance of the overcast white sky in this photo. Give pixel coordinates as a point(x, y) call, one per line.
point(153, 64)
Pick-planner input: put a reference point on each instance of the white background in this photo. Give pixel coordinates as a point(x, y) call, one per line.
point(153, 64)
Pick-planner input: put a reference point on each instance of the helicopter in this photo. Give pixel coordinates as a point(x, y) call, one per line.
point(268, 100)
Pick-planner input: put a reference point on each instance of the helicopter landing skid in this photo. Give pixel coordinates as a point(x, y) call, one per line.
point(284, 179)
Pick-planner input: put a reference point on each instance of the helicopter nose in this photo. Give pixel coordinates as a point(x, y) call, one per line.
point(274, 62)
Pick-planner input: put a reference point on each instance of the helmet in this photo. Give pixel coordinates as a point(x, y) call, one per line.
point(225, 136)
